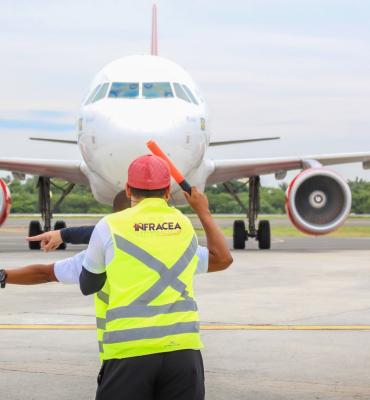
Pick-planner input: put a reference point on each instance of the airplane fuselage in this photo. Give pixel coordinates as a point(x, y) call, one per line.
point(130, 101)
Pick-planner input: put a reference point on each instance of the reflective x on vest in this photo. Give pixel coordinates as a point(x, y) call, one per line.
point(168, 277)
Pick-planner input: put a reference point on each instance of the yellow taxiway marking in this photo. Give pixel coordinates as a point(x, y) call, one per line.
point(286, 327)
point(205, 327)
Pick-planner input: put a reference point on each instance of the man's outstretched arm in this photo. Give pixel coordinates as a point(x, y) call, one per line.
point(66, 271)
point(219, 254)
point(31, 275)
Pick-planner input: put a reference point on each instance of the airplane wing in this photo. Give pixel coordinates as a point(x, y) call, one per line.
point(228, 169)
point(42, 155)
point(69, 170)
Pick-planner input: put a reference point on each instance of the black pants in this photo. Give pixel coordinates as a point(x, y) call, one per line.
point(177, 375)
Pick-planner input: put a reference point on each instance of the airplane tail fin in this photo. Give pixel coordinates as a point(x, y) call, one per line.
point(154, 48)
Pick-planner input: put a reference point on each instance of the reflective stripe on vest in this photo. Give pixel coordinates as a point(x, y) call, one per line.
point(101, 304)
point(104, 297)
point(100, 323)
point(139, 310)
point(101, 349)
point(151, 332)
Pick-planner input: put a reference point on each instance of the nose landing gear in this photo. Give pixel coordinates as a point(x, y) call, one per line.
point(263, 232)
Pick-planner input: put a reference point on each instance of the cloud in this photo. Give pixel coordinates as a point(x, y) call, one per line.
point(34, 125)
point(49, 114)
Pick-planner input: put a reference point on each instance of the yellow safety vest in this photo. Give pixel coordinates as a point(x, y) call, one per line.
point(151, 307)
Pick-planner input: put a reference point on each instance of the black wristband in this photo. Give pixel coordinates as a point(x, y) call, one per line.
point(3, 277)
point(64, 234)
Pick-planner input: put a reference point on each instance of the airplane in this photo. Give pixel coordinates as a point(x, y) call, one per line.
point(142, 97)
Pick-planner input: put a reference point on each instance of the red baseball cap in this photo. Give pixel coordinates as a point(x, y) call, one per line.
point(149, 172)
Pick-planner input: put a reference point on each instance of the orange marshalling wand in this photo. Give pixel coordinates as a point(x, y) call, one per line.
point(176, 174)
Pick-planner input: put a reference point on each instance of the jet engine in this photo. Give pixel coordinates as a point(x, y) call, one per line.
point(5, 201)
point(318, 201)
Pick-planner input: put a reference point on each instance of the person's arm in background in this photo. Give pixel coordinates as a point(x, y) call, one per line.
point(53, 239)
point(31, 275)
point(77, 234)
point(219, 254)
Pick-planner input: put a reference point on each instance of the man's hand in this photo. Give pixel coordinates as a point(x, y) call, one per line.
point(49, 240)
point(198, 201)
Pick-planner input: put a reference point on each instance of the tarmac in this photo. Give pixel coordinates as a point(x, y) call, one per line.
point(289, 323)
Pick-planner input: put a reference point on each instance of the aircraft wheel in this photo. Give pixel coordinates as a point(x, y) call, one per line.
point(57, 226)
point(264, 235)
point(239, 235)
point(33, 230)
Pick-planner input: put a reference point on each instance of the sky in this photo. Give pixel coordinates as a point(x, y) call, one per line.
point(295, 69)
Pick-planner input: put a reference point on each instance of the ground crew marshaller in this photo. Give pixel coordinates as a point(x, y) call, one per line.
point(140, 263)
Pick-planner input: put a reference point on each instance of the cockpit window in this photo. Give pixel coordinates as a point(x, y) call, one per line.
point(91, 96)
point(190, 94)
point(180, 93)
point(101, 93)
point(124, 90)
point(153, 90)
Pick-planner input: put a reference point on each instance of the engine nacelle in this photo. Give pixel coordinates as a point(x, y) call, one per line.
point(5, 201)
point(318, 201)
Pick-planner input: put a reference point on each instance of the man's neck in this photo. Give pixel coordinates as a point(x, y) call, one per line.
point(136, 200)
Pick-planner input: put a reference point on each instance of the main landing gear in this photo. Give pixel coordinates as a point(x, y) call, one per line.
point(263, 232)
point(35, 227)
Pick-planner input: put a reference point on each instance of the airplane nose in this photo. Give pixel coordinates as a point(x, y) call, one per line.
point(142, 123)
point(121, 135)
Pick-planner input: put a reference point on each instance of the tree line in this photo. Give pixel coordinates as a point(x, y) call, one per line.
point(81, 201)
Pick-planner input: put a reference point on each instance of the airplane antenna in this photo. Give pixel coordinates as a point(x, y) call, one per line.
point(154, 50)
